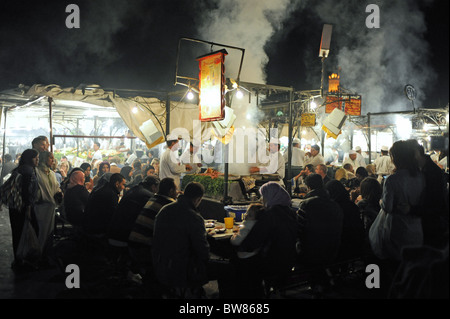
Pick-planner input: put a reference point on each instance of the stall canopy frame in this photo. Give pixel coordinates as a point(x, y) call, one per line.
point(156, 106)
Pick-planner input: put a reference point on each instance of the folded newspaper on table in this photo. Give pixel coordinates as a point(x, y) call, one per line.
point(333, 123)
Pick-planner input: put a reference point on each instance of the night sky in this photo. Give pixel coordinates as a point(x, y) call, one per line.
point(133, 45)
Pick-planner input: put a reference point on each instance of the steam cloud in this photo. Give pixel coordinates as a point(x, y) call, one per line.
point(107, 50)
point(375, 63)
point(378, 63)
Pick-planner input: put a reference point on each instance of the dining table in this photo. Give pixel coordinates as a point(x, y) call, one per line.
point(219, 238)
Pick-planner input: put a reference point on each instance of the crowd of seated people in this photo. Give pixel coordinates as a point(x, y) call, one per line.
point(158, 232)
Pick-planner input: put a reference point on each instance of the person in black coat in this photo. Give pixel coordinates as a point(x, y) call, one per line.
point(130, 206)
point(75, 199)
point(122, 222)
point(27, 164)
point(321, 223)
point(180, 249)
point(101, 205)
point(274, 236)
point(352, 240)
point(275, 232)
point(434, 207)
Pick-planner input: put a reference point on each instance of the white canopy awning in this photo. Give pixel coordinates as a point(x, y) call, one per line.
point(134, 111)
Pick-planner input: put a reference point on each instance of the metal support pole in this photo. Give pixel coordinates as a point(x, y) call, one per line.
point(50, 100)
point(227, 200)
point(322, 79)
point(370, 138)
point(167, 115)
point(4, 141)
point(289, 170)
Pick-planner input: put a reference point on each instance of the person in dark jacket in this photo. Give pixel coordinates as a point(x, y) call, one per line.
point(180, 249)
point(88, 181)
point(369, 207)
point(321, 223)
point(123, 219)
point(27, 165)
point(434, 208)
point(101, 205)
point(141, 236)
point(130, 206)
point(369, 204)
point(352, 240)
point(75, 199)
point(274, 236)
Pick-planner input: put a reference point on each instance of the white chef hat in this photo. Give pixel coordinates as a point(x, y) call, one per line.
point(171, 137)
point(274, 140)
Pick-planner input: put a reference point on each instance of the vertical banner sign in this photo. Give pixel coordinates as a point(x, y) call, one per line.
point(212, 86)
point(353, 105)
point(333, 101)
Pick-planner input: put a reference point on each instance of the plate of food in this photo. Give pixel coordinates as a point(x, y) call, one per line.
point(220, 230)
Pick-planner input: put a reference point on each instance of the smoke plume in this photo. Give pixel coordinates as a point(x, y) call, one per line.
point(378, 63)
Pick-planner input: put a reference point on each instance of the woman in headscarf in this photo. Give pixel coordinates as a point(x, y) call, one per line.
point(28, 162)
point(127, 172)
point(274, 235)
point(369, 207)
point(369, 204)
point(352, 238)
point(50, 198)
point(75, 199)
point(88, 181)
point(401, 194)
point(103, 168)
point(398, 224)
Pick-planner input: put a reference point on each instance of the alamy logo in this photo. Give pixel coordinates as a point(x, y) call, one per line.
point(247, 146)
point(73, 279)
point(373, 19)
point(373, 279)
point(73, 19)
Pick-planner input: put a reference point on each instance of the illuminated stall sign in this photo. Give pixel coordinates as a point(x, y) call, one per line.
point(350, 104)
point(212, 86)
point(308, 120)
point(333, 101)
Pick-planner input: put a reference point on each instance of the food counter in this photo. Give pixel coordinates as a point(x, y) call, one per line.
point(242, 189)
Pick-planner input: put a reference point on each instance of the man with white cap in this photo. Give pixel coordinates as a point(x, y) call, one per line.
point(383, 164)
point(360, 157)
point(169, 164)
point(276, 163)
point(353, 160)
point(298, 155)
point(314, 157)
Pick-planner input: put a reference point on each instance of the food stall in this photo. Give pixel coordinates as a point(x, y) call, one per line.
point(73, 118)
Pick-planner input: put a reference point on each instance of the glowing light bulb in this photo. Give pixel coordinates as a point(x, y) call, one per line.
point(239, 94)
point(134, 110)
point(190, 95)
point(313, 105)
